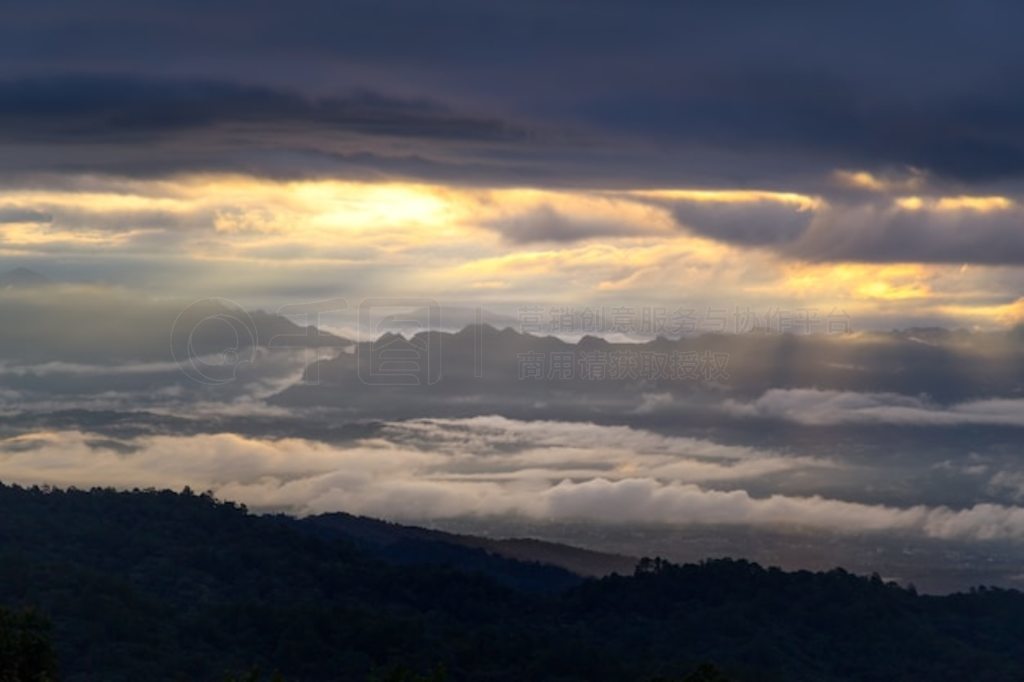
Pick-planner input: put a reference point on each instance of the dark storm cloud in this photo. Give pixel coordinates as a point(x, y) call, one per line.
point(755, 223)
point(877, 230)
point(547, 224)
point(739, 91)
point(889, 234)
point(106, 109)
point(152, 126)
point(822, 119)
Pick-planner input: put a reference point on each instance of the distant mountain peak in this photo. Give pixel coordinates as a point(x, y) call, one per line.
point(23, 278)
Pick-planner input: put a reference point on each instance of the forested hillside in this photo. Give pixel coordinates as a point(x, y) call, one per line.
point(168, 586)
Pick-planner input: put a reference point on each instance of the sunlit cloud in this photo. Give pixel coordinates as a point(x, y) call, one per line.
point(978, 204)
point(867, 181)
point(208, 234)
point(481, 468)
point(731, 196)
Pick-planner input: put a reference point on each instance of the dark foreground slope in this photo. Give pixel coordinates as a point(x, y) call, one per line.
point(162, 586)
point(409, 544)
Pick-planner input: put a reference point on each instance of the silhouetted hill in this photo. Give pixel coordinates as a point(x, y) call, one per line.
point(411, 544)
point(71, 323)
point(23, 278)
point(408, 545)
point(166, 586)
point(580, 561)
point(483, 370)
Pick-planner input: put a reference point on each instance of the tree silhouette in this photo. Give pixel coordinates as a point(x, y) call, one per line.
point(26, 651)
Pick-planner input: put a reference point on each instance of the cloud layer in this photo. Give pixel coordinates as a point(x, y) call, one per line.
point(436, 469)
point(816, 407)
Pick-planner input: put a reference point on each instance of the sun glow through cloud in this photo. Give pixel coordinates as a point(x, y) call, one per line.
point(513, 242)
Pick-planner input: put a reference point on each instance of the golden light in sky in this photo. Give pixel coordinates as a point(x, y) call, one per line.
point(449, 239)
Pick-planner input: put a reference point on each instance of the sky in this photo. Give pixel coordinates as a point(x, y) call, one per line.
point(817, 208)
point(798, 156)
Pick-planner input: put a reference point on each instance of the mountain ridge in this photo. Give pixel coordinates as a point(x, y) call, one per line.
point(23, 278)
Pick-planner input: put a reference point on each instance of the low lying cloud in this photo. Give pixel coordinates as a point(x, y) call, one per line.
point(490, 466)
point(816, 408)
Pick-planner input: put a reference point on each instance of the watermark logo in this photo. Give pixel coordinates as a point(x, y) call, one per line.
point(309, 337)
point(212, 339)
point(407, 349)
point(624, 366)
point(674, 322)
